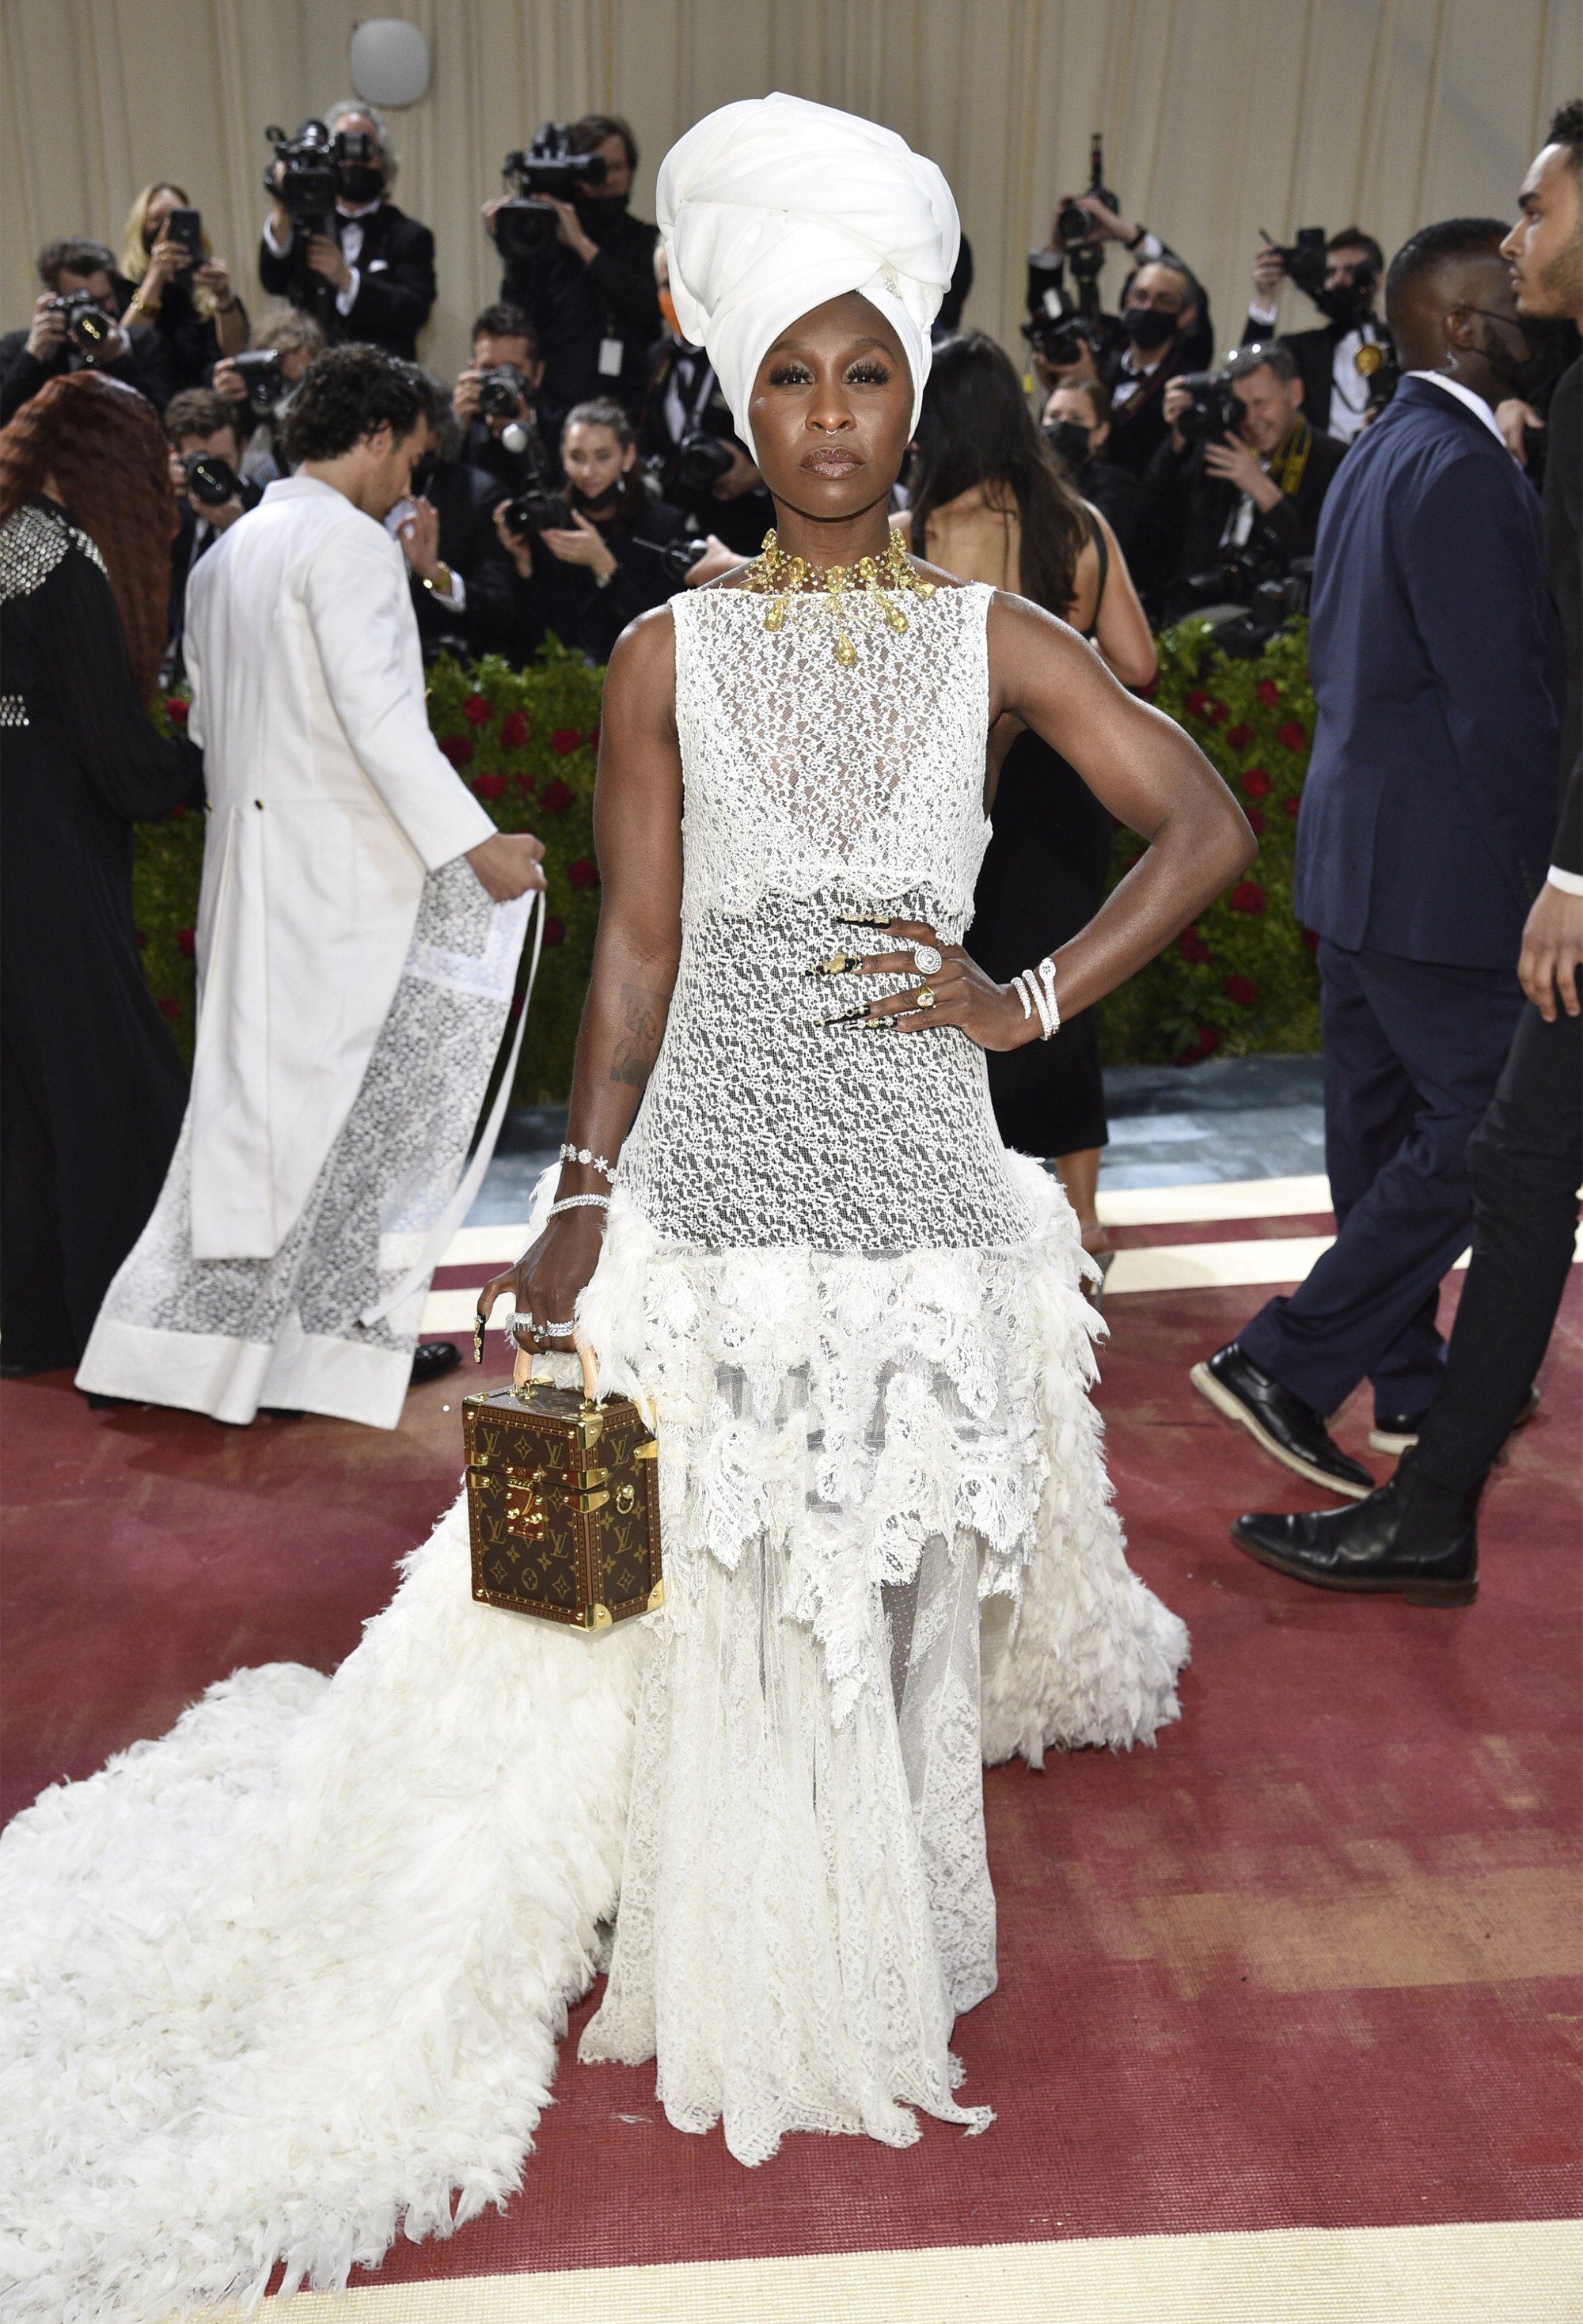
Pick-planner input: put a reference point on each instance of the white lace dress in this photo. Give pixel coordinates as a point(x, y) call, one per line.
point(294, 1972)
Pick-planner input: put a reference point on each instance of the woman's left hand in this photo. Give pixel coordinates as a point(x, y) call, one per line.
point(215, 277)
point(585, 545)
point(959, 994)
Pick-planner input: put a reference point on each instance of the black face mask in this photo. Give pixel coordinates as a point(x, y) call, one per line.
point(1070, 439)
point(1524, 374)
point(358, 182)
point(1148, 326)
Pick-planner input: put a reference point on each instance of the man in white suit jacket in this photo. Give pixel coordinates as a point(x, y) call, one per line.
point(329, 804)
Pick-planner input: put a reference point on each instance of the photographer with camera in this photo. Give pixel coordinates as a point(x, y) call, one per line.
point(1161, 322)
point(334, 243)
point(496, 400)
point(205, 435)
point(180, 286)
point(1341, 274)
point(1076, 421)
point(263, 380)
point(460, 578)
point(689, 443)
point(577, 263)
point(78, 325)
point(1235, 492)
point(592, 557)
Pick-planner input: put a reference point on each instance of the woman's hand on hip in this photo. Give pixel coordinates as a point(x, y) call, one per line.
point(957, 993)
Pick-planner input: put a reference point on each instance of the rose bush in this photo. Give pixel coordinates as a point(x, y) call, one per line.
point(1241, 978)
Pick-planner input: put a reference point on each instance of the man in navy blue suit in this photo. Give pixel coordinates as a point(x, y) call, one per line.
point(1424, 839)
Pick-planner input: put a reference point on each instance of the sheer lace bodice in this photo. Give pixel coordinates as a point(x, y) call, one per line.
point(812, 790)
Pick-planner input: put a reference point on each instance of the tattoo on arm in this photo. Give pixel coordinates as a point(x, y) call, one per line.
point(639, 1039)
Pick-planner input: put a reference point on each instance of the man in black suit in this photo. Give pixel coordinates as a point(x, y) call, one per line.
point(1418, 1533)
point(372, 278)
point(198, 420)
point(1335, 389)
point(1160, 316)
point(588, 290)
point(508, 446)
point(131, 352)
point(461, 578)
point(1424, 839)
point(1259, 492)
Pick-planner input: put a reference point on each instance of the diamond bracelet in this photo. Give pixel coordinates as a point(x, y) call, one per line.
point(578, 1203)
point(594, 1161)
point(1035, 989)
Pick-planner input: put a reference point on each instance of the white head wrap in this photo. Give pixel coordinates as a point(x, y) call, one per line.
point(770, 206)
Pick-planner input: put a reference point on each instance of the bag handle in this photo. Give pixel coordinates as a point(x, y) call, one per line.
point(526, 1358)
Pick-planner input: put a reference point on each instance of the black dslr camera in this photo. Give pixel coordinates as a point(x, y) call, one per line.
point(1307, 260)
point(701, 461)
point(1082, 248)
point(260, 374)
point(1214, 412)
point(306, 185)
point(211, 481)
point(501, 392)
point(88, 325)
point(524, 224)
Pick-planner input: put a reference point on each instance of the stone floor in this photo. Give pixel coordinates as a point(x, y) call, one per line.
point(1233, 1118)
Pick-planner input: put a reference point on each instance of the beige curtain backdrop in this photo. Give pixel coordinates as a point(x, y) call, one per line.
point(1220, 116)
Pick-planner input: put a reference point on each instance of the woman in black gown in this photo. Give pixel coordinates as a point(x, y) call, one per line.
point(92, 1087)
point(989, 503)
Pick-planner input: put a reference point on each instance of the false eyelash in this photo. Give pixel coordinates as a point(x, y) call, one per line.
point(790, 375)
point(869, 374)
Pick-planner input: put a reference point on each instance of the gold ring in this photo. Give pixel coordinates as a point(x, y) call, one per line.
point(924, 997)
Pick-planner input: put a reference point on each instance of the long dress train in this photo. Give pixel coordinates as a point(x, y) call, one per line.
point(288, 1979)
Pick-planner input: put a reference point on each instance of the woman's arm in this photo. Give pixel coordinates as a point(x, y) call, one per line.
point(1121, 626)
point(1151, 777)
point(637, 837)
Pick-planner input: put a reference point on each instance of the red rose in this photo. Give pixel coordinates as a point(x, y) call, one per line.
point(557, 797)
point(1311, 938)
point(1292, 736)
point(1256, 819)
point(176, 709)
point(1217, 713)
point(478, 710)
point(1256, 782)
point(1269, 691)
point(513, 730)
point(1239, 737)
point(1241, 989)
point(1204, 1044)
point(525, 781)
point(1293, 805)
point(565, 740)
point(1191, 947)
point(489, 786)
point(582, 873)
point(1194, 703)
point(187, 942)
point(1247, 896)
point(169, 1008)
point(554, 932)
point(594, 736)
point(456, 749)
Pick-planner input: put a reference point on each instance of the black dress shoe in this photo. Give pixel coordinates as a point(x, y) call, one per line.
point(1397, 1431)
point(432, 1358)
point(1412, 1535)
point(1278, 1421)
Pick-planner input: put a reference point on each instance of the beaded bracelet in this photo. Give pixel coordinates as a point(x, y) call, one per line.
point(594, 1161)
point(578, 1203)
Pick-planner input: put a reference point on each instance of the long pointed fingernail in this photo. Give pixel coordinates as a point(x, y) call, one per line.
point(837, 964)
point(847, 1016)
point(860, 920)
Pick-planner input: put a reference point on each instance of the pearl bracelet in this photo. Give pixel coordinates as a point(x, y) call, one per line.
point(579, 1202)
point(594, 1161)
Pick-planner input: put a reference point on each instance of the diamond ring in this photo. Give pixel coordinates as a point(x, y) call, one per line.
point(923, 998)
point(556, 1331)
point(929, 961)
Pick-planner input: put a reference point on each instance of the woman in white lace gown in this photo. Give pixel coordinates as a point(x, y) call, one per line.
point(290, 1979)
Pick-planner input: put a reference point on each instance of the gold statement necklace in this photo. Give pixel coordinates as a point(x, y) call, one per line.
point(839, 597)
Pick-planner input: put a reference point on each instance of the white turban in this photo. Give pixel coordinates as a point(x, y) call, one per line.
point(770, 206)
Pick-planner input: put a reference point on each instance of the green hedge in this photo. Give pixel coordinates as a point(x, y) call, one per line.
point(525, 741)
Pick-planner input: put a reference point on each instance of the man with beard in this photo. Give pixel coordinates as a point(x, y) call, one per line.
point(1417, 1534)
point(1424, 838)
point(1335, 388)
point(589, 293)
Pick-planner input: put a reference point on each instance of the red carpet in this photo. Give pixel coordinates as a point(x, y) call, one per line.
point(1313, 1962)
